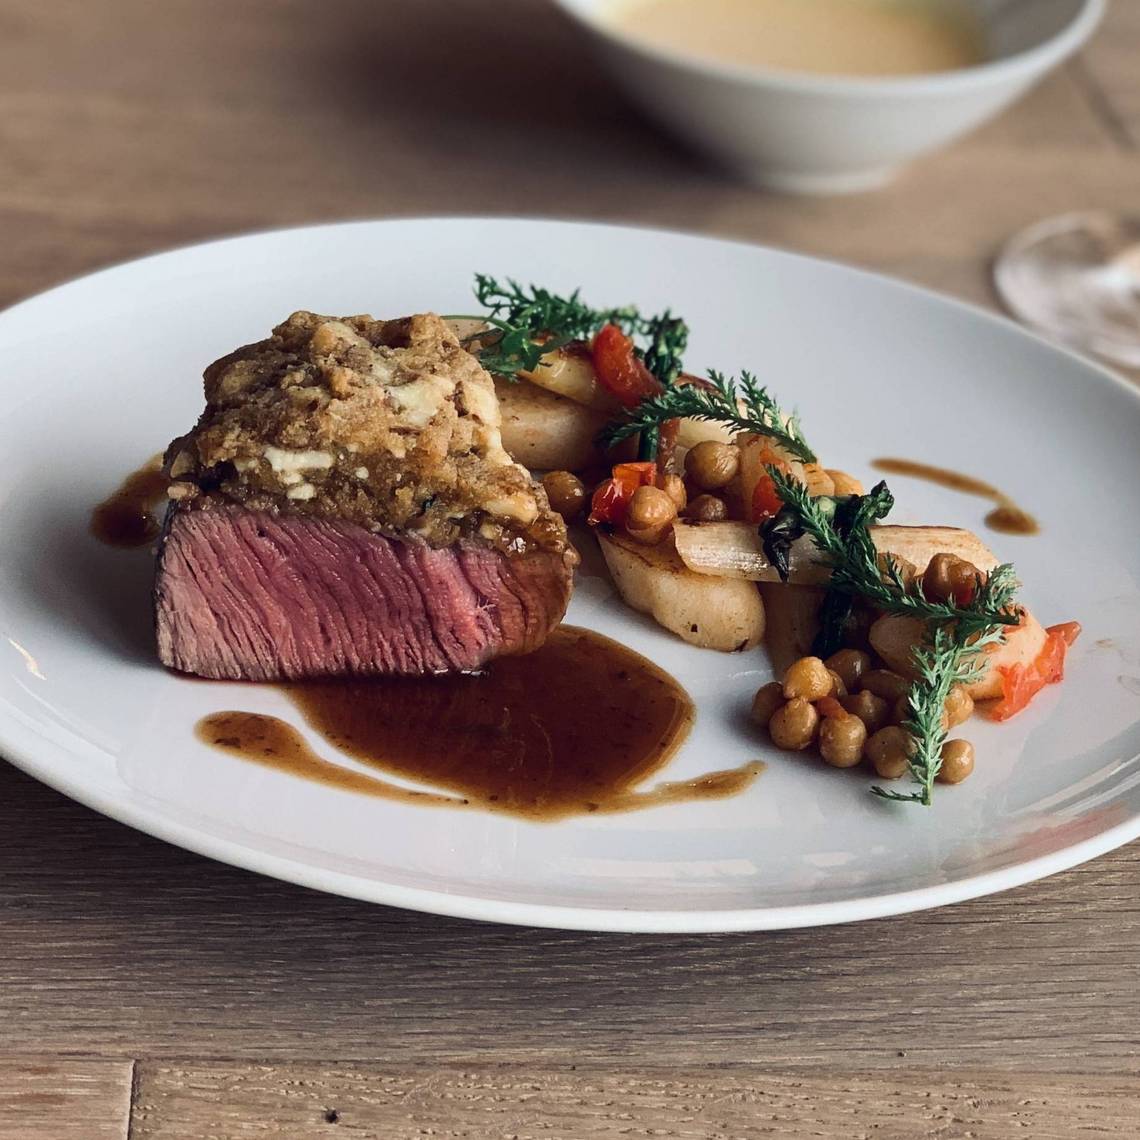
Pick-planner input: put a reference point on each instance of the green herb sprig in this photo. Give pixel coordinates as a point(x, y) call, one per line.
point(526, 323)
point(668, 337)
point(947, 659)
point(744, 405)
point(840, 529)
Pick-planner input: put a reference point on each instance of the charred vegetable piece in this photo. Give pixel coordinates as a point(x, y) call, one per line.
point(712, 613)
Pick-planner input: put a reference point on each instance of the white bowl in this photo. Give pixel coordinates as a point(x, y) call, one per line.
point(821, 134)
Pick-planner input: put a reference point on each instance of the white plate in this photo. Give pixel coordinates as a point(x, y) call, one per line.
point(101, 373)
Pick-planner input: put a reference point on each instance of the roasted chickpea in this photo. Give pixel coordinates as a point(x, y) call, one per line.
point(844, 484)
point(808, 678)
point(674, 487)
point(707, 508)
point(793, 726)
point(841, 740)
point(957, 761)
point(883, 683)
point(712, 465)
point(871, 710)
point(958, 704)
point(850, 664)
point(889, 751)
point(950, 577)
point(936, 578)
point(901, 713)
point(767, 700)
point(900, 709)
point(817, 481)
point(566, 492)
point(650, 515)
point(964, 577)
point(959, 707)
point(838, 688)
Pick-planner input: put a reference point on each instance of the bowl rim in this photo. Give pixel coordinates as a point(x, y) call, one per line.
point(1025, 64)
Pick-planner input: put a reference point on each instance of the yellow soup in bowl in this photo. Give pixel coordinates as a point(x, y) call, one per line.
point(824, 37)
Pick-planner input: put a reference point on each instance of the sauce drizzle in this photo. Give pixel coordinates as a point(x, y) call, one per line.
point(1006, 517)
point(128, 518)
point(571, 729)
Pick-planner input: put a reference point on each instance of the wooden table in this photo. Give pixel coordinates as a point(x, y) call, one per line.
point(150, 993)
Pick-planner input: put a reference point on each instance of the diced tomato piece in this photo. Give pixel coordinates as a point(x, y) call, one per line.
point(608, 504)
point(829, 706)
point(1021, 683)
point(611, 499)
point(1069, 630)
point(766, 501)
point(620, 370)
point(634, 475)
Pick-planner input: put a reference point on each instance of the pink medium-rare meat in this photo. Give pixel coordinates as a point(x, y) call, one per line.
point(344, 507)
point(246, 595)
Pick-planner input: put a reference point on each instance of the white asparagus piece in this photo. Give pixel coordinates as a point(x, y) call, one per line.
point(546, 432)
point(712, 613)
point(735, 550)
point(791, 615)
point(570, 374)
point(691, 432)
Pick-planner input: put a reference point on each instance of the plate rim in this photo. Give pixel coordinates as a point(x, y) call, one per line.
point(604, 920)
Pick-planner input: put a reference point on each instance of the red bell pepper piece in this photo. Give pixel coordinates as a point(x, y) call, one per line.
point(611, 498)
point(766, 502)
point(620, 370)
point(1021, 683)
point(1069, 630)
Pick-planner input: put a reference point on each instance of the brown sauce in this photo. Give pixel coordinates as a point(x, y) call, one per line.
point(1006, 517)
point(570, 729)
point(130, 516)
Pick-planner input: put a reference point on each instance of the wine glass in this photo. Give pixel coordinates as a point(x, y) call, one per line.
point(1076, 278)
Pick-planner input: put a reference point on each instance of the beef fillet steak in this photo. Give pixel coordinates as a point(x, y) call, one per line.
point(344, 506)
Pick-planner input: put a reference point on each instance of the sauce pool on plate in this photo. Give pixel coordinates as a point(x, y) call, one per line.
point(571, 729)
point(129, 517)
point(824, 37)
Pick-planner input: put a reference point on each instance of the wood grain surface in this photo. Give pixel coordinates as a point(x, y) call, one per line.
point(305, 1102)
point(48, 1099)
point(246, 1007)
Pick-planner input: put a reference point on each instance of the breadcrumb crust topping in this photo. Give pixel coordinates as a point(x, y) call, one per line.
point(389, 424)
